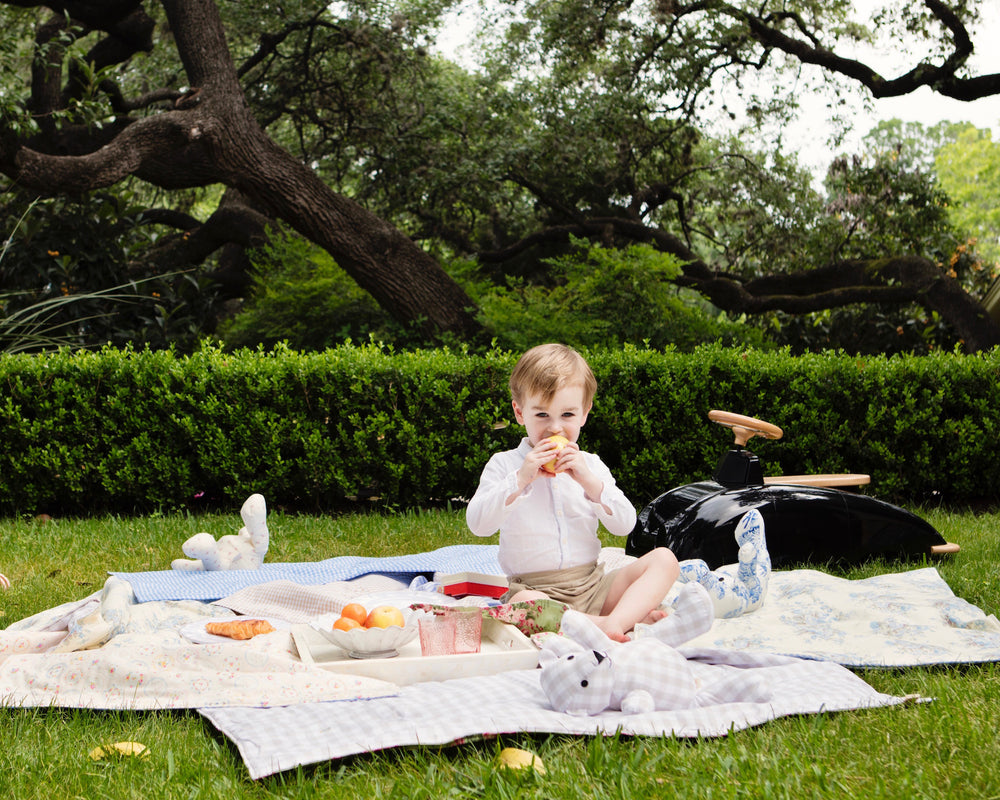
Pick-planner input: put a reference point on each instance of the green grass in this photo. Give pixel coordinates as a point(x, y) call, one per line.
point(942, 749)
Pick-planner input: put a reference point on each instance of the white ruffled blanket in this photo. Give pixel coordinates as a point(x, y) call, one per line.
point(108, 652)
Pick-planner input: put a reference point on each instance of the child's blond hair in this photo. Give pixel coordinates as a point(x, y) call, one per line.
point(547, 368)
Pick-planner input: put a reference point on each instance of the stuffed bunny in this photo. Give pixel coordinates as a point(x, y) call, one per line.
point(738, 588)
point(583, 672)
point(245, 550)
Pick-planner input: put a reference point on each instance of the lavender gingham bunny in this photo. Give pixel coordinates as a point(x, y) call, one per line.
point(583, 672)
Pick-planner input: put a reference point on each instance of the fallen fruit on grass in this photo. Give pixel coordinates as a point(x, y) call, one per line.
point(119, 749)
point(514, 758)
point(384, 616)
point(346, 624)
point(560, 442)
point(355, 611)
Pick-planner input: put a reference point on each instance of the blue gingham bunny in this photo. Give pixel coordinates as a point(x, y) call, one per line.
point(738, 588)
point(244, 550)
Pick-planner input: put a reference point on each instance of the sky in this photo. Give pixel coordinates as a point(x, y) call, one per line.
point(922, 106)
point(810, 135)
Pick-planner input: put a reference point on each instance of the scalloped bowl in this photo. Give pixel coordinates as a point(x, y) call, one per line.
point(368, 642)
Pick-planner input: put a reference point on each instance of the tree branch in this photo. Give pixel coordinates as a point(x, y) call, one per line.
point(140, 144)
point(902, 279)
point(943, 78)
point(229, 224)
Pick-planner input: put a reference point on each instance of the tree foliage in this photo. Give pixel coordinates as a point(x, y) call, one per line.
point(198, 130)
point(969, 171)
point(69, 260)
point(582, 119)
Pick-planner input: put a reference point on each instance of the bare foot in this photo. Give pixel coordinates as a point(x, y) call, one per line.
point(610, 629)
point(655, 616)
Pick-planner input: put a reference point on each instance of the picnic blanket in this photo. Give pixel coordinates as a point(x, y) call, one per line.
point(112, 650)
point(107, 652)
point(208, 586)
point(809, 622)
point(895, 620)
point(275, 739)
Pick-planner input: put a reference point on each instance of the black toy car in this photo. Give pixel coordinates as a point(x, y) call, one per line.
point(807, 518)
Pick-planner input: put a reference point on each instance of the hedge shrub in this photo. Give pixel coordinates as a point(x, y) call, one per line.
point(126, 431)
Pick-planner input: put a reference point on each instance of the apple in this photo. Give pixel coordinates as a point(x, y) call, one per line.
point(560, 442)
point(384, 616)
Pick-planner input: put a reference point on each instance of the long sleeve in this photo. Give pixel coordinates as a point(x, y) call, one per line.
point(488, 508)
point(622, 518)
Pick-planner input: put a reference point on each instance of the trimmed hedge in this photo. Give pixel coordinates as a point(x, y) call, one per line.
point(125, 431)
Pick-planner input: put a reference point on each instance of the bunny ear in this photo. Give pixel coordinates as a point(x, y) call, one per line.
point(578, 627)
point(555, 647)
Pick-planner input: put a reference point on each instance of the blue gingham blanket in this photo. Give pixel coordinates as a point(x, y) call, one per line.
point(211, 586)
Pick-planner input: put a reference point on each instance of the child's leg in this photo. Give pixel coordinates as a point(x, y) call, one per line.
point(526, 595)
point(637, 590)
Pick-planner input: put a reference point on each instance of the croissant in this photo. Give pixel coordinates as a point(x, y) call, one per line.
point(239, 628)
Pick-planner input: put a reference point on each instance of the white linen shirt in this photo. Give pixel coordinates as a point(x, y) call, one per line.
point(552, 524)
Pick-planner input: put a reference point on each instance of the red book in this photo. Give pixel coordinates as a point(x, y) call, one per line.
point(459, 584)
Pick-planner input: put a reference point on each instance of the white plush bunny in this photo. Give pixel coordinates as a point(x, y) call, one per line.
point(583, 672)
point(245, 550)
point(738, 588)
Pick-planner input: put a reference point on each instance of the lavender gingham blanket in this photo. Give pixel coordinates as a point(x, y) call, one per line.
point(210, 586)
point(272, 740)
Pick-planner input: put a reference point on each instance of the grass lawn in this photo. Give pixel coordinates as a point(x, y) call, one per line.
point(947, 748)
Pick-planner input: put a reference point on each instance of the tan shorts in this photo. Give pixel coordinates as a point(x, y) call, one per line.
point(583, 588)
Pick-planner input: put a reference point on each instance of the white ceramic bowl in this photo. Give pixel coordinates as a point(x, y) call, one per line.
point(368, 642)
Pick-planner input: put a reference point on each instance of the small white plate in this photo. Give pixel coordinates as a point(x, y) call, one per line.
point(368, 642)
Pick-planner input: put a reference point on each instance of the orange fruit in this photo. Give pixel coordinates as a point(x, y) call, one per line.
point(355, 611)
point(384, 616)
point(346, 624)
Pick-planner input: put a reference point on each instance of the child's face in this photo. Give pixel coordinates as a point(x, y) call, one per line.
point(564, 414)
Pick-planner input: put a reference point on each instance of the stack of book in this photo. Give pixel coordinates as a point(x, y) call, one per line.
point(459, 584)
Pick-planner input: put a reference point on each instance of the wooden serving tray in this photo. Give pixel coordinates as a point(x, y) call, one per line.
point(504, 648)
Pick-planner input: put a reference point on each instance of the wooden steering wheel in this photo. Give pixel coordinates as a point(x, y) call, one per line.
point(745, 428)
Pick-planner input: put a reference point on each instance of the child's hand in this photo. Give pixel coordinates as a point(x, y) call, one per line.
point(532, 468)
point(571, 461)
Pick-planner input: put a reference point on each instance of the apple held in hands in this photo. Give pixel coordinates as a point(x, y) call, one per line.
point(560, 442)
